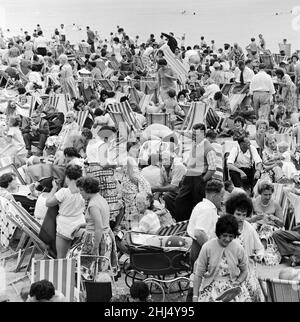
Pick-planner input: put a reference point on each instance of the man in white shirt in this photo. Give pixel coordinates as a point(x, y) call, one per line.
point(41, 44)
point(261, 90)
point(62, 33)
point(202, 223)
point(244, 164)
point(243, 74)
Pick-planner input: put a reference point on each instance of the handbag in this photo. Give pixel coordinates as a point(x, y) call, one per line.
point(272, 256)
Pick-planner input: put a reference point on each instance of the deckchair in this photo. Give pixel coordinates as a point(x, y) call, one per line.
point(293, 201)
point(120, 124)
point(195, 115)
point(213, 119)
point(185, 108)
point(279, 58)
point(286, 137)
point(235, 100)
point(134, 96)
point(63, 273)
point(278, 290)
point(113, 62)
point(178, 228)
point(267, 60)
point(286, 48)
point(177, 66)
point(53, 100)
point(219, 161)
point(226, 89)
point(144, 102)
point(63, 103)
point(126, 110)
point(105, 84)
point(81, 118)
point(158, 118)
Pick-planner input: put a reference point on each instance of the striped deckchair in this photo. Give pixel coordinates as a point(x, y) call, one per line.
point(81, 117)
point(267, 60)
point(293, 201)
point(105, 84)
point(235, 100)
point(121, 124)
point(53, 100)
point(286, 137)
point(195, 115)
point(213, 119)
point(219, 161)
point(285, 129)
point(279, 58)
point(126, 110)
point(278, 290)
point(134, 96)
point(113, 62)
point(62, 273)
point(178, 228)
point(63, 101)
point(226, 89)
point(175, 64)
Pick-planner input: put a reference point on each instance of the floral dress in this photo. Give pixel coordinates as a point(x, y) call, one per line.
point(288, 93)
point(222, 282)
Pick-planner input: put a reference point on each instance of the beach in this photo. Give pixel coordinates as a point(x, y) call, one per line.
point(223, 21)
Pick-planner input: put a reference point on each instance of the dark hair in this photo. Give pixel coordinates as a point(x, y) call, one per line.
point(227, 224)
point(239, 201)
point(27, 38)
point(139, 290)
point(77, 103)
point(239, 119)
point(73, 172)
point(212, 134)
point(40, 32)
point(42, 290)
point(217, 96)
point(87, 133)
point(214, 186)
point(273, 124)
point(6, 179)
point(88, 184)
point(199, 126)
point(279, 72)
point(98, 112)
point(162, 62)
point(34, 68)
point(71, 152)
point(227, 184)
point(181, 93)
point(265, 185)
point(171, 92)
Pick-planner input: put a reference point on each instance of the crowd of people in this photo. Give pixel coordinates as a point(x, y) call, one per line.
point(233, 219)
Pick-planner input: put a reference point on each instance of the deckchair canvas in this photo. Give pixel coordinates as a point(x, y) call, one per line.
point(81, 117)
point(195, 115)
point(158, 118)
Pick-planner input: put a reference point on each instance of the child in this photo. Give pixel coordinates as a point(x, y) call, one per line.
point(288, 168)
point(193, 75)
point(171, 106)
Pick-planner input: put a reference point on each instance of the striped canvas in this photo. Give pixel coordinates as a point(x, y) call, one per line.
point(105, 83)
point(158, 118)
point(61, 272)
point(195, 115)
point(81, 117)
point(285, 129)
point(53, 100)
point(178, 228)
point(219, 161)
point(144, 102)
point(134, 96)
point(175, 64)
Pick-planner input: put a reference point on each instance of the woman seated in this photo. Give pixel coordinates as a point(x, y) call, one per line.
point(222, 264)
point(149, 222)
point(241, 207)
point(268, 216)
point(71, 208)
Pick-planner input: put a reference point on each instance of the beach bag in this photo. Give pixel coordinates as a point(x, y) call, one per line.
point(272, 256)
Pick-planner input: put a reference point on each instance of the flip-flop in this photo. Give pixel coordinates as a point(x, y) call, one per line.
point(230, 294)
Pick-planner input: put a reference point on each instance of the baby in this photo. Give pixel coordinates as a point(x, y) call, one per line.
point(288, 167)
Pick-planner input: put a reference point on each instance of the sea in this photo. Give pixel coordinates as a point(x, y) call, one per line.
point(225, 21)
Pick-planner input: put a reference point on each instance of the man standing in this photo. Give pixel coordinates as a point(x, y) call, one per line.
point(62, 33)
point(201, 166)
point(243, 74)
point(91, 38)
point(166, 79)
point(261, 90)
point(202, 223)
point(41, 44)
point(38, 130)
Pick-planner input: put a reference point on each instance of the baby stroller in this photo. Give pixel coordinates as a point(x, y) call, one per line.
point(160, 261)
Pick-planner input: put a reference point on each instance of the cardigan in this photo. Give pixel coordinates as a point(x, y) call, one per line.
point(210, 257)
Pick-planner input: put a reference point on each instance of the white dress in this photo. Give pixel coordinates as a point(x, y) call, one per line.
point(288, 167)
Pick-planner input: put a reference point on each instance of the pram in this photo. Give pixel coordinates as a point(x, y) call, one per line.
point(160, 261)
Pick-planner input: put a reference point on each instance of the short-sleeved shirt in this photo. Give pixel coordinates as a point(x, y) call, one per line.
point(204, 217)
point(177, 171)
point(70, 204)
point(243, 160)
point(273, 208)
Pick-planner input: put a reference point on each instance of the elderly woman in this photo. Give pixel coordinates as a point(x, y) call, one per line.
point(99, 238)
point(287, 90)
point(271, 158)
point(71, 208)
point(268, 216)
point(222, 264)
point(66, 77)
point(149, 222)
point(244, 164)
point(241, 207)
point(133, 183)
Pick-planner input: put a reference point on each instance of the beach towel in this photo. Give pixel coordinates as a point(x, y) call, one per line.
point(177, 66)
